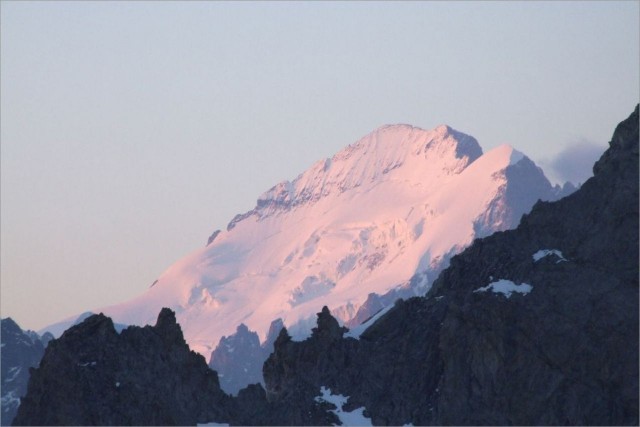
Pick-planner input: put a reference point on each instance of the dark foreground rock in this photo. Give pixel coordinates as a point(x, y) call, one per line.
point(143, 376)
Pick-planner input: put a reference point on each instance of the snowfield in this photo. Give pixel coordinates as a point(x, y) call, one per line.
point(548, 252)
point(353, 418)
point(506, 288)
point(356, 331)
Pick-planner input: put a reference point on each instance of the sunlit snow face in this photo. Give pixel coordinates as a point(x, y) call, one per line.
point(382, 217)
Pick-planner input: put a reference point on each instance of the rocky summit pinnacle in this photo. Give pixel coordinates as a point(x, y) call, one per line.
point(328, 327)
point(168, 327)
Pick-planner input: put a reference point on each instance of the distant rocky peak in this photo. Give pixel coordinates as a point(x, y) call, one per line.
point(9, 326)
point(21, 350)
point(238, 359)
point(46, 338)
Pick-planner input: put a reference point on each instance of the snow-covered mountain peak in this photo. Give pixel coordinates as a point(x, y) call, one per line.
point(400, 153)
point(398, 136)
point(382, 216)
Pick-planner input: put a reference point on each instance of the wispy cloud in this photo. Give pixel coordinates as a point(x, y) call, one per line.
point(575, 162)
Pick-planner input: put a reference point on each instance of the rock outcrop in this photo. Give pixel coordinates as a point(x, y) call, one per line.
point(143, 376)
point(238, 358)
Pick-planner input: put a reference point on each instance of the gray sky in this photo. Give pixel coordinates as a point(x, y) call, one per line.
point(131, 131)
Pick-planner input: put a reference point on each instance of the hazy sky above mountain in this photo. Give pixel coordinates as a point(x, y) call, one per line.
point(131, 131)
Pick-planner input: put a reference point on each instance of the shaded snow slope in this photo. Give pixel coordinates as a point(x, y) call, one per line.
point(398, 202)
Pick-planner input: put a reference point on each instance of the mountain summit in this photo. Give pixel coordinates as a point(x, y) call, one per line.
point(380, 219)
point(387, 154)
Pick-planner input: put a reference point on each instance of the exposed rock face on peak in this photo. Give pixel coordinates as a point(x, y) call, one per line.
point(143, 376)
point(21, 350)
point(238, 360)
point(212, 237)
point(523, 183)
point(534, 326)
point(465, 145)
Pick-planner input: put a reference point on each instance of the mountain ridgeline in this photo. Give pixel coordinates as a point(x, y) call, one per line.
point(532, 326)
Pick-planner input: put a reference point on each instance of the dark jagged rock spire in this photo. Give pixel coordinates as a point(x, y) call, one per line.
point(328, 327)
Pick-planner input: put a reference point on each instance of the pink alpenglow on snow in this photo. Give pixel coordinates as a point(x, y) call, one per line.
point(395, 205)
